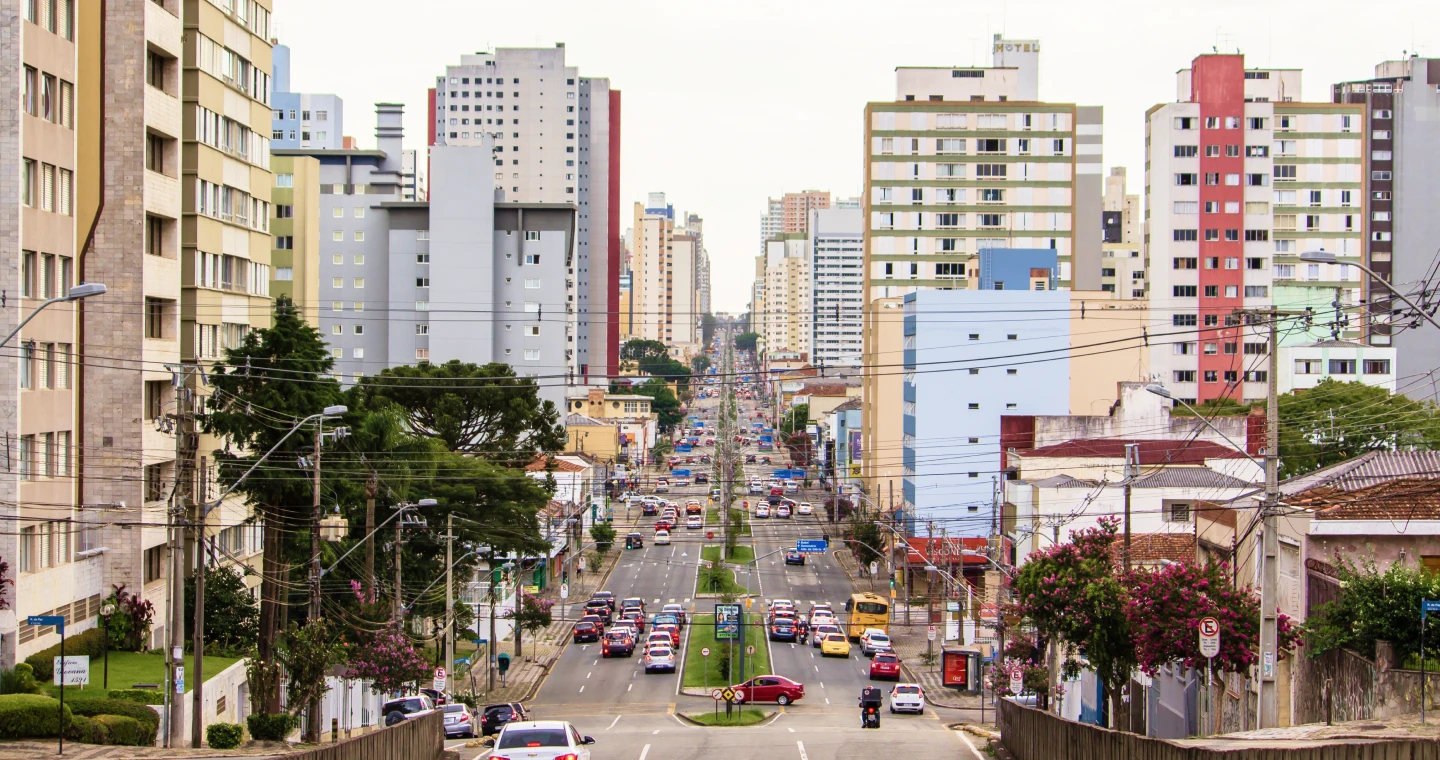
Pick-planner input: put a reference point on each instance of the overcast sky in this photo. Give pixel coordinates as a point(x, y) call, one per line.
point(728, 103)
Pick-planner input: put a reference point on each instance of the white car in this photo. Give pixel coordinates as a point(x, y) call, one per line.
point(762, 511)
point(662, 486)
point(873, 641)
point(659, 657)
point(782, 604)
point(791, 486)
point(682, 482)
point(782, 511)
point(694, 522)
point(542, 740)
point(907, 697)
point(804, 508)
point(821, 617)
point(662, 538)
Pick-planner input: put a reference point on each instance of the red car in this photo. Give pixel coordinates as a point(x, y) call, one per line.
point(673, 630)
point(777, 689)
point(637, 619)
point(586, 631)
point(664, 523)
point(885, 665)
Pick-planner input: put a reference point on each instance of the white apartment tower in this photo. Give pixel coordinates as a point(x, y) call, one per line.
point(1241, 178)
point(837, 271)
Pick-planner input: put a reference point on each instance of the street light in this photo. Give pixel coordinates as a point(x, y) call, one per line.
point(1323, 256)
point(1163, 392)
point(83, 290)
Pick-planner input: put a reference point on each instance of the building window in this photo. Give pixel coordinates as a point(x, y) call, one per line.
point(155, 563)
point(532, 354)
point(1342, 366)
point(1377, 366)
point(1176, 511)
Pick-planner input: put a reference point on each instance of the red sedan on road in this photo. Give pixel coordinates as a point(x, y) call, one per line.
point(777, 689)
point(885, 665)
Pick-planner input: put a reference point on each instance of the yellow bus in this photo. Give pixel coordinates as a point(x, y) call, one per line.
point(866, 610)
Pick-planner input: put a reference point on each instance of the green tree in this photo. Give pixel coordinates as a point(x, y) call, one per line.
point(603, 534)
point(1335, 421)
point(232, 619)
point(865, 540)
point(1375, 606)
point(276, 377)
point(795, 420)
point(663, 403)
point(699, 364)
point(707, 327)
point(307, 652)
point(483, 410)
point(746, 341)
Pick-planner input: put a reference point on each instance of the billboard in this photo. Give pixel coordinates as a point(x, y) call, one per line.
point(727, 622)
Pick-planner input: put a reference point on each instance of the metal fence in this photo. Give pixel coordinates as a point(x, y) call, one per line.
point(420, 738)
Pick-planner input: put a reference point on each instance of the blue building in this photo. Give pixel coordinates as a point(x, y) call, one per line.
point(302, 120)
point(971, 356)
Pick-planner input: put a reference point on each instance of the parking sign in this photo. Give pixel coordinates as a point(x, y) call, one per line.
point(1209, 637)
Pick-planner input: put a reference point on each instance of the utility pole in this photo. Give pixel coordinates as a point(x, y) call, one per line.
point(1132, 462)
point(1269, 706)
point(197, 633)
point(398, 612)
point(372, 489)
point(312, 710)
point(449, 595)
point(186, 444)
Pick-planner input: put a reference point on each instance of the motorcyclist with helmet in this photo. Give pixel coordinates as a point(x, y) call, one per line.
point(870, 700)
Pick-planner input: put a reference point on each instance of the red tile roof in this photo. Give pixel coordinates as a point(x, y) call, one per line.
point(1152, 451)
point(560, 465)
point(1402, 499)
point(1151, 548)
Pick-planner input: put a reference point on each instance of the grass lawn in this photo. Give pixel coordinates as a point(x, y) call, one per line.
point(744, 553)
point(130, 668)
point(713, 521)
point(745, 716)
point(705, 671)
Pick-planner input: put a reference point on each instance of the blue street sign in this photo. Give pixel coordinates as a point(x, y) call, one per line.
point(811, 546)
point(44, 620)
point(462, 660)
point(1426, 607)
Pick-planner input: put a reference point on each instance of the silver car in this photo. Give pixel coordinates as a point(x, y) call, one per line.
point(541, 740)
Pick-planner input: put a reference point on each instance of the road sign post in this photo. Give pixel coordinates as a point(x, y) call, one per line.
point(59, 622)
point(1209, 648)
point(1427, 606)
point(438, 684)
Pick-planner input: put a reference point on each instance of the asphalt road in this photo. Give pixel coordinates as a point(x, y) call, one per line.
point(633, 715)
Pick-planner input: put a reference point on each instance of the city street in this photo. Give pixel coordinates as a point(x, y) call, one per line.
point(634, 715)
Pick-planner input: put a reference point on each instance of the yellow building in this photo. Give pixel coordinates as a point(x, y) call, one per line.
point(882, 394)
point(597, 438)
point(295, 228)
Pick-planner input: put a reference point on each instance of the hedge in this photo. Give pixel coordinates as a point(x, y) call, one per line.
point(148, 719)
point(87, 731)
point(90, 642)
point(125, 730)
point(24, 716)
point(139, 696)
point(271, 727)
point(224, 735)
point(19, 680)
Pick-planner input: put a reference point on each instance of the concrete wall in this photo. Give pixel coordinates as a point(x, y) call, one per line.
point(462, 255)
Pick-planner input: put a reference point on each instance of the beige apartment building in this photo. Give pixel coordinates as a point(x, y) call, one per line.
point(788, 304)
point(652, 276)
point(883, 398)
point(295, 230)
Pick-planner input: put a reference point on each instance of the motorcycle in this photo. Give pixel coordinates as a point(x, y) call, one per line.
point(870, 717)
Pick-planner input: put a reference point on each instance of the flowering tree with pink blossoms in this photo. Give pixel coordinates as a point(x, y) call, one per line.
point(385, 654)
point(1166, 606)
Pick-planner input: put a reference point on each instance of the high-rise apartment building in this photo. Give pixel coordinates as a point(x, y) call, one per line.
point(556, 137)
point(1122, 210)
point(1400, 183)
point(1242, 178)
point(790, 213)
point(414, 182)
point(392, 274)
point(772, 222)
point(837, 270)
point(652, 271)
point(787, 318)
point(303, 120)
point(966, 159)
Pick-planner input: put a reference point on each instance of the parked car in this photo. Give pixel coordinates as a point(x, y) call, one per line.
point(459, 721)
point(405, 708)
point(542, 740)
point(907, 697)
point(494, 717)
point(777, 689)
point(436, 696)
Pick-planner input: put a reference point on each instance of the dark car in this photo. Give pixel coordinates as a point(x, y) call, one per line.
point(626, 604)
point(616, 644)
point(494, 717)
point(793, 557)
point(649, 509)
point(601, 609)
point(436, 696)
point(607, 597)
point(702, 477)
point(585, 630)
point(783, 629)
point(749, 459)
point(636, 541)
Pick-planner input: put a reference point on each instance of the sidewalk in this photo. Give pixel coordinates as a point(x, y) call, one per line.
point(528, 671)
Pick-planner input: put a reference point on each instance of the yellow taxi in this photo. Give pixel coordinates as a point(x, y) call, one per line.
point(835, 645)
